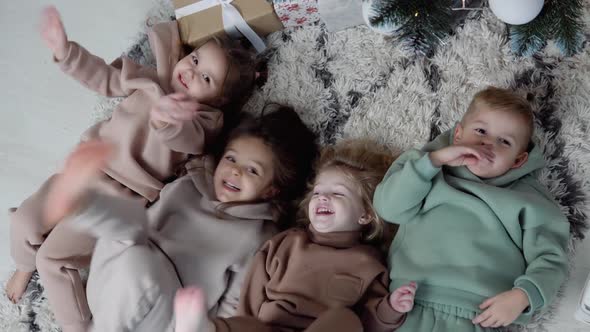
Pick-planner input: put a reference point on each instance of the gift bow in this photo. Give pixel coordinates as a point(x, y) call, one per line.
point(232, 19)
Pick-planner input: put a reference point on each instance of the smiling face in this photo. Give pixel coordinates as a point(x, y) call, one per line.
point(245, 172)
point(202, 73)
point(336, 205)
point(504, 132)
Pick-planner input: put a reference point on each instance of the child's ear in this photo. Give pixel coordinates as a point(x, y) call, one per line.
point(521, 159)
point(458, 133)
point(271, 192)
point(364, 219)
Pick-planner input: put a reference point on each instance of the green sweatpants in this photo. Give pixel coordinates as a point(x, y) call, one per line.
point(433, 317)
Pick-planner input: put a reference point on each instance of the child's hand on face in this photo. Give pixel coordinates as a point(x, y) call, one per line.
point(53, 32)
point(459, 155)
point(502, 309)
point(402, 299)
point(174, 109)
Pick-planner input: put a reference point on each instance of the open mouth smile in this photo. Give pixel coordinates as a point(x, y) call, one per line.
point(230, 186)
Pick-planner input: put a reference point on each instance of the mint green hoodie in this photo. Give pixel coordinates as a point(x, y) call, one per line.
point(465, 239)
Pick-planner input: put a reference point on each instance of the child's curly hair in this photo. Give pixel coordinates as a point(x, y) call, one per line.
point(365, 163)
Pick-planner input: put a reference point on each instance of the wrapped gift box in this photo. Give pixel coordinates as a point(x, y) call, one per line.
point(294, 13)
point(198, 27)
point(336, 14)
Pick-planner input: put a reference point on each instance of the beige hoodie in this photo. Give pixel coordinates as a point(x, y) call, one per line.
point(146, 156)
point(209, 248)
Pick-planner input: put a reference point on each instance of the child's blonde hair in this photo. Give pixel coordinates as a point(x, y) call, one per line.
point(365, 162)
point(503, 100)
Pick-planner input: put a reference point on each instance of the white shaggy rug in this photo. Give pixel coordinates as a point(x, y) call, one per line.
point(357, 84)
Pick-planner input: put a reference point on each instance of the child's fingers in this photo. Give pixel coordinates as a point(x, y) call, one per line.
point(489, 322)
point(406, 297)
point(88, 154)
point(470, 161)
point(488, 302)
point(482, 317)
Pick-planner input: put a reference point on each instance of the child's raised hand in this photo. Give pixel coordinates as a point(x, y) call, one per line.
point(458, 155)
point(53, 32)
point(82, 165)
point(402, 299)
point(174, 109)
point(502, 309)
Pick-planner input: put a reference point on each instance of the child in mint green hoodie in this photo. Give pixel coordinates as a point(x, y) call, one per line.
point(483, 239)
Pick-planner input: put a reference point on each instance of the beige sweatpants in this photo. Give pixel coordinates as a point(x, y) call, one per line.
point(132, 283)
point(57, 253)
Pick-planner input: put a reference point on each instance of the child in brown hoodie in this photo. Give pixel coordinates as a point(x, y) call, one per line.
point(170, 112)
point(204, 229)
point(323, 278)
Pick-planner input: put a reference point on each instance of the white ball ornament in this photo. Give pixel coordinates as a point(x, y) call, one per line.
point(369, 12)
point(516, 12)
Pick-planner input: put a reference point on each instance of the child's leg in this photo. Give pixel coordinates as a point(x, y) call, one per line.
point(131, 287)
point(59, 259)
point(427, 317)
point(29, 224)
point(337, 319)
point(27, 233)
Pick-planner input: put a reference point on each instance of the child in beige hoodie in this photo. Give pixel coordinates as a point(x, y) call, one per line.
point(326, 277)
point(204, 229)
point(170, 112)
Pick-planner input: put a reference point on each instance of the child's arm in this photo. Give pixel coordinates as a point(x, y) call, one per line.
point(405, 185)
point(185, 125)
point(101, 215)
point(86, 68)
point(545, 236)
point(383, 311)
point(253, 293)
point(261, 270)
point(228, 304)
point(399, 197)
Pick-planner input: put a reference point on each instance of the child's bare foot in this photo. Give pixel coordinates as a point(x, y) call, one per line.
point(82, 166)
point(16, 286)
point(190, 312)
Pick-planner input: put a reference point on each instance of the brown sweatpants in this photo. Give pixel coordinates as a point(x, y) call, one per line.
point(57, 253)
point(336, 319)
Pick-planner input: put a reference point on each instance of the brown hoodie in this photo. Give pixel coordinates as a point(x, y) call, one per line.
point(300, 274)
point(146, 156)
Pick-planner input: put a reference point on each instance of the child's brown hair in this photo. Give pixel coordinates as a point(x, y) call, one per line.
point(294, 150)
point(503, 100)
point(365, 162)
point(243, 73)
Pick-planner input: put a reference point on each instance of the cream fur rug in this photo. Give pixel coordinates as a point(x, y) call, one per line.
point(357, 84)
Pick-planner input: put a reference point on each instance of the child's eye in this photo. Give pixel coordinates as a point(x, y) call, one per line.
point(195, 60)
point(315, 193)
point(230, 158)
point(338, 194)
point(252, 171)
point(206, 78)
point(480, 131)
point(505, 142)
